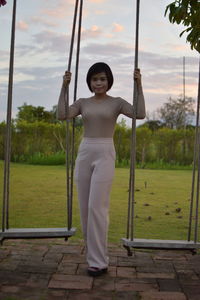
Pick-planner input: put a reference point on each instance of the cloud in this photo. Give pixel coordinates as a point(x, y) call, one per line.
point(106, 50)
point(117, 27)
point(93, 32)
point(100, 12)
point(52, 41)
point(96, 1)
point(59, 9)
point(23, 49)
point(36, 20)
point(21, 25)
point(4, 54)
point(176, 47)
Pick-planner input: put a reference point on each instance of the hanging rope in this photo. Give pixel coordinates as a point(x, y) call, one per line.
point(75, 98)
point(5, 215)
point(70, 142)
point(131, 197)
point(195, 161)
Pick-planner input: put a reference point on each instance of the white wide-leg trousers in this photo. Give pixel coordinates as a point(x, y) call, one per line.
point(94, 172)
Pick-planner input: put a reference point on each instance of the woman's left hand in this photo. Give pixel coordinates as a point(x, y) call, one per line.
point(137, 76)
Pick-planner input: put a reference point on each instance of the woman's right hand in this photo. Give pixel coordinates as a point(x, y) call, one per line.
point(67, 78)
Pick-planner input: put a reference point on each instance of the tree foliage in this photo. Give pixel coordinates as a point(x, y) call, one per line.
point(32, 114)
point(177, 113)
point(187, 13)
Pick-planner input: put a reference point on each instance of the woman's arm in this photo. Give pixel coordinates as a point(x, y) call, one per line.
point(64, 111)
point(141, 112)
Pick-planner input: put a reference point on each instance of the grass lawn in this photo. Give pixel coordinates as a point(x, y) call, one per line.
point(37, 199)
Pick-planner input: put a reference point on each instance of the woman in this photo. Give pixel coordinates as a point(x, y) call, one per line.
point(95, 163)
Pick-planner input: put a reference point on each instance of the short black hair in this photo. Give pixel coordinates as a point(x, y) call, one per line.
point(99, 68)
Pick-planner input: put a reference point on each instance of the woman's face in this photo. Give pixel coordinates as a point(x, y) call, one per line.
point(99, 83)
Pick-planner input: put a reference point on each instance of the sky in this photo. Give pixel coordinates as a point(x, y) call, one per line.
point(43, 31)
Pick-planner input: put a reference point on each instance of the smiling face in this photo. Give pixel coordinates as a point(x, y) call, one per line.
point(99, 83)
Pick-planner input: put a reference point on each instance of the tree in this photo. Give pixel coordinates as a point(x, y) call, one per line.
point(177, 113)
point(153, 125)
point(32, 114)
point(144, 138)
point(187, 12)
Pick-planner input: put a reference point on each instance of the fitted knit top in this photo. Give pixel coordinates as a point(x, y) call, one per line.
point(99, 116)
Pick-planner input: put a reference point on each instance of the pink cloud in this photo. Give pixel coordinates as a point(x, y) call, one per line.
point(21, 25)
point(93, 32)
point(117, 27)
point(60, 9)
point(42, 21)
point(96, 1)
point(100, 12)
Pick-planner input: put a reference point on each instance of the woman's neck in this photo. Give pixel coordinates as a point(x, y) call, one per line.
point(100, 96)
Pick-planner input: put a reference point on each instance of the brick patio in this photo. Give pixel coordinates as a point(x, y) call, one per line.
point(54, 269)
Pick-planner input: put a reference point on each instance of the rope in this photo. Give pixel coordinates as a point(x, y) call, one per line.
point(75, 98)
point(131, 197)
point(198, 177)
point(70, 162)
point(5, 216)
point(195, 160)
point(67, 122)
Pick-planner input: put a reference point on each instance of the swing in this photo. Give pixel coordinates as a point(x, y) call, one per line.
point(68, 231)
point(130, 241)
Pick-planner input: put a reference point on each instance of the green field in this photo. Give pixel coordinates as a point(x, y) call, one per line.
point(37, 199)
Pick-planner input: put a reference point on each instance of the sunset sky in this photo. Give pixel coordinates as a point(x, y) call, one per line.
point(43, 30)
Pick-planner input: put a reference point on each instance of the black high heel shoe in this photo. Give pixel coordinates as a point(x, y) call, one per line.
point(92, 271)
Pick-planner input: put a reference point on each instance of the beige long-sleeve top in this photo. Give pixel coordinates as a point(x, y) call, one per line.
point(99, 116)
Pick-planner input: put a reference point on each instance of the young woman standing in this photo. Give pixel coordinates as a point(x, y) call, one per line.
point(95, 162)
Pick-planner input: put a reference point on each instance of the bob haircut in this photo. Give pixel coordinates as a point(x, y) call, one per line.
point(99, 68)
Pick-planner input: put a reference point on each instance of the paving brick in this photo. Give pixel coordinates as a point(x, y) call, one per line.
point(13, 278)
point(156, 275)
point(9, 265)
point(82, 269)
point(127, 284)
point(184, 266)
point(38, 280)
point(169, 285)
point(144, 254)
point(90, 295)
point(59, 281)
point(4, 253)
point(39, 249)
point(67, 268)
point(53, 269)
point(22, 293)
point(154, 269)
point(67, 249)
point(170, 255)
point(192, 291)
point(187, 274)
point(104, 283)
point(50, 257)
point(164, 265)
point(10, 289)
point(189, 282)
point(56, 295)
point(112, 271)
point(72, 257)
point(36, 259)
point(126, 272)
point(113, 261)
point(124, 262)
point(162, 296)
point(37, 268)
point(139, 262)
point(126, 295)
